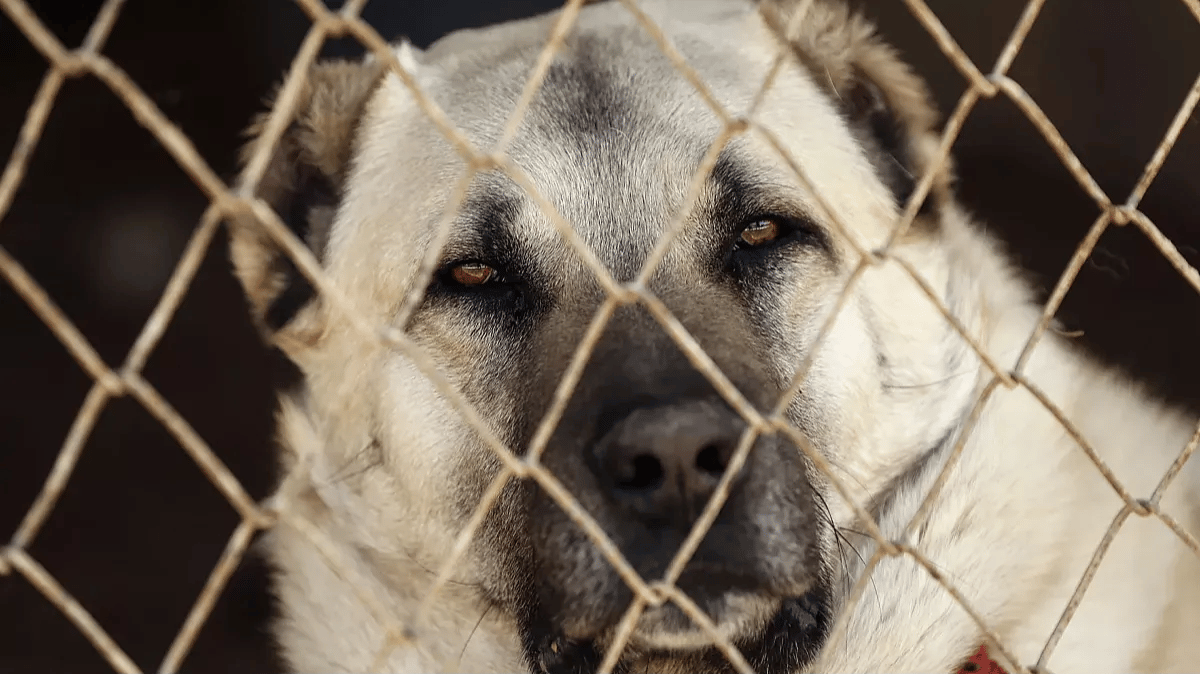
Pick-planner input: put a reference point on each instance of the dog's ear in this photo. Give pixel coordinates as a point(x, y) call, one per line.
point(303, 184)
point(886, 103)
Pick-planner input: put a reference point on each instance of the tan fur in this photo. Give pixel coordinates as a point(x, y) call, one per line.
point(380, 457)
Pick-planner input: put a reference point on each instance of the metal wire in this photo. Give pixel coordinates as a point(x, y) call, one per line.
point(226, 201)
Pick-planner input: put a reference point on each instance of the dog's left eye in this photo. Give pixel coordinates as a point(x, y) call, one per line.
point(757, 241)
point(766, 232)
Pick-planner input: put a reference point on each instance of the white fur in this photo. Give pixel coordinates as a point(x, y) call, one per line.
point(1013, 529)
point(1021, 471)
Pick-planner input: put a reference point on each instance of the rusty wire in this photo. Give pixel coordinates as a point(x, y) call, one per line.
point(229, 201)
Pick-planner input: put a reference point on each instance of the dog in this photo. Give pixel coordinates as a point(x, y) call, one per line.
point(385, 467)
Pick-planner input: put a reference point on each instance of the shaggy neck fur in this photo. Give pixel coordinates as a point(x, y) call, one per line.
point(1136, 436)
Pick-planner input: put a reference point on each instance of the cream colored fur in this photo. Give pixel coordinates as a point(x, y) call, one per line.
point(1015, 525)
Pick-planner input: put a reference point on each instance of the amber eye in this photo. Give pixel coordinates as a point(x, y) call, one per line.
point(761, 232)
point(473, 274)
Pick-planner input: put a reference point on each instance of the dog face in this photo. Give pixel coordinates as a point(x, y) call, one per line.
point(612, 142)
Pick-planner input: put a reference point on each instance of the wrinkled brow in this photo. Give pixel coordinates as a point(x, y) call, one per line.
point(739, 192)
point(484, 226)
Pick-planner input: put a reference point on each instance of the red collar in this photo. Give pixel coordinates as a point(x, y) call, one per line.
point(980, 663)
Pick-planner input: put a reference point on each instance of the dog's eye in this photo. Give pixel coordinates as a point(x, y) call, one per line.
point(473, 274)
point(760, 232)
point(491, 288)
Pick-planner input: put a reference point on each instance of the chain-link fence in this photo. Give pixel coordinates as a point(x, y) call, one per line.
point(127, 379)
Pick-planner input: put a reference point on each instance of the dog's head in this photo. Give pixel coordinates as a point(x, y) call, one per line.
point(611, 142)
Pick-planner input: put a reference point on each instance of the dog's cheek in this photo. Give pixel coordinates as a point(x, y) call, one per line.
point(502, 547)
point(427, 447)
point(578, 591)
point(788, 311)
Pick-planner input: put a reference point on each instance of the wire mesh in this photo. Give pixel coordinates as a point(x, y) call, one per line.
point(227, 202)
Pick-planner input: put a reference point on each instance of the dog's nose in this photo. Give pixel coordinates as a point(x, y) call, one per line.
point(663, 463)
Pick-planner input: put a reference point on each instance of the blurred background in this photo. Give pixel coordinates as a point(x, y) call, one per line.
point(104, 213)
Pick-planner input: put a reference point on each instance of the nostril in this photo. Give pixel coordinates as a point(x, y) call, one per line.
point(710, 460)
point(642, 472)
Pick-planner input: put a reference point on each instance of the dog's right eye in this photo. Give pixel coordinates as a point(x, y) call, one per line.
point(479, 281)
point(473, 274)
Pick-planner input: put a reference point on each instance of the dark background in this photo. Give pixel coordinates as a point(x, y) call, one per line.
point(104, 213)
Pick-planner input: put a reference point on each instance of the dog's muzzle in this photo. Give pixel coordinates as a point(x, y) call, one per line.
point(643, 445)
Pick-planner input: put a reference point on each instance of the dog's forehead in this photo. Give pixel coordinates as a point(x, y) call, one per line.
point(614, 133)
point(612, 139)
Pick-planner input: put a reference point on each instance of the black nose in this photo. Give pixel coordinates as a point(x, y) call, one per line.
point(663, 463)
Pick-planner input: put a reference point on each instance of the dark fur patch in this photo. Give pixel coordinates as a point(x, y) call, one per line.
point(296, 294)
point(581, 87)
point(303, 184)
point(547, 652)
point(308, 216)
point(883, 134)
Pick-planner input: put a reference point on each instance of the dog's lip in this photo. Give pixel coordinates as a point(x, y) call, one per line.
point(799, 615)
point(703, 599)
point(799, 622)
point(706, 585)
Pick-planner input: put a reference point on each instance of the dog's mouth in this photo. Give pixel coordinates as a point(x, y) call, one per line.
point(782, 639)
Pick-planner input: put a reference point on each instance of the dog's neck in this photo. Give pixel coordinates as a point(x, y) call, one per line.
point(1015, 438)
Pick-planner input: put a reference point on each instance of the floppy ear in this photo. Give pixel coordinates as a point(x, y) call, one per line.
point(886, 103)
point(303, 184)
